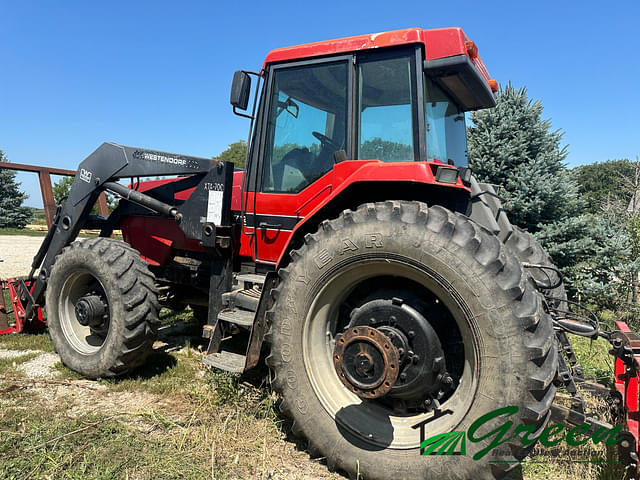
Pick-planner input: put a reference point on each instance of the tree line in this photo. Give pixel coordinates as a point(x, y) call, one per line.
point(587, 218)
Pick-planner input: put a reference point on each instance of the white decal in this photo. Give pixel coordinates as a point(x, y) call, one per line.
point(214, 207)
point(85, 175)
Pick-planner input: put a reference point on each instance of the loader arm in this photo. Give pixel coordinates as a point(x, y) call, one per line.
point(208, 207)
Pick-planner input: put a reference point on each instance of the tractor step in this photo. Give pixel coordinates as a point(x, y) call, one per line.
point(247, 298)
point(226, 330)
point(227, 342)
point(239, 317)
point(225, 360)
point(249, 278)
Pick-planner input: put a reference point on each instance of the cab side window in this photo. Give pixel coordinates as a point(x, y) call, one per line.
point(385, 121)
point(306, 125)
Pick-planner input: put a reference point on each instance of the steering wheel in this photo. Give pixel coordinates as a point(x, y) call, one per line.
point(326, 141)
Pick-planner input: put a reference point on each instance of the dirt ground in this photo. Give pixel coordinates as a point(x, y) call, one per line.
point(16, 253)
point(201, 424)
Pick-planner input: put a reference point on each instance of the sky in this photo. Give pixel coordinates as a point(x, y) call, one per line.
point(157, 74)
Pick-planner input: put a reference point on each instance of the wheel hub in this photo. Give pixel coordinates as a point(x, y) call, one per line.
point(90, 311)
point(366, 361)
point(422, 371)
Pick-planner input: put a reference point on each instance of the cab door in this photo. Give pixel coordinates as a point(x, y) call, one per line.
point(308, 112)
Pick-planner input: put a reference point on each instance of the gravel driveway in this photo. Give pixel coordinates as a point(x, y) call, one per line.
point(17, 251)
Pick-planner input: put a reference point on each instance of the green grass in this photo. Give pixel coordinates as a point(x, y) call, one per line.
point(163, 373)
point(65, 373)
point(594, 357)
point(94, 446)
point(173, 418)
point(22, 231)
point(27, 341)
point(39, 216)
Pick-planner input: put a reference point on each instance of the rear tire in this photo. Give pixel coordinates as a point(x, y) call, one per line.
point(529, 250)
point(113, 276)
point(508, 357)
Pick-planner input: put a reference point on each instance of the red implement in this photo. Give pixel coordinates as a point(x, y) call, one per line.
point(627, 368)
point(12, 287)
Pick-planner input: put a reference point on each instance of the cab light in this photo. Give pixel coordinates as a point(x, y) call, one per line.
point(472, 50)
point(493, 85)
point(446, 174)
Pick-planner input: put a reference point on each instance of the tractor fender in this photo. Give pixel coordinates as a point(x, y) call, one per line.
point(358, 182)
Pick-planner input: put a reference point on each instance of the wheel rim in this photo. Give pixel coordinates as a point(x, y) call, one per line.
point(85, 339)
point(372, 421)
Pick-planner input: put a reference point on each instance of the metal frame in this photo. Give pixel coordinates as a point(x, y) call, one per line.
point(44, 175)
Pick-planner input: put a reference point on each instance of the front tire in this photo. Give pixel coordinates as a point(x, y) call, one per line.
point(496, 338)
point(102, 308)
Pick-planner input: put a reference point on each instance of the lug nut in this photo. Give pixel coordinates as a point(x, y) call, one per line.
point(411, 334)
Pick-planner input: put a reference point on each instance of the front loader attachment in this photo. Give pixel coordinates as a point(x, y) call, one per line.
point(200, 217)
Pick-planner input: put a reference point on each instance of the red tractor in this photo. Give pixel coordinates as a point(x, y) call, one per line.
point(384, 285)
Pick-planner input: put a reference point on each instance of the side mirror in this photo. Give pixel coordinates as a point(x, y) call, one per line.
point(240, 90)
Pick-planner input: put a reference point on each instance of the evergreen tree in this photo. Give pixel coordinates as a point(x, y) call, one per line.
point(512, 146)
point(12, 213)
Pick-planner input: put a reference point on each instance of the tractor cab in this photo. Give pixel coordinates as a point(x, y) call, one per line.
point(393, 97)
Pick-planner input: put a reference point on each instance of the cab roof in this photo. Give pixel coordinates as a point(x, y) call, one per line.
point(438, 43)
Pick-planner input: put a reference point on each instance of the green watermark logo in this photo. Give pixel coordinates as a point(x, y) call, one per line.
point(455, 443)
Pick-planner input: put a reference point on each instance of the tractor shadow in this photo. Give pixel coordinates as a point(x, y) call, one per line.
point(177, 333)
